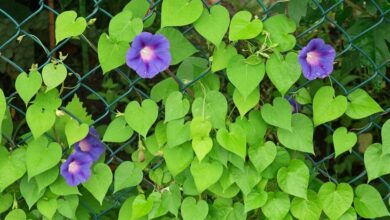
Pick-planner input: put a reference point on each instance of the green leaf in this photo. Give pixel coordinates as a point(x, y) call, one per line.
point(343, 140)
point(214, 24)
point(67, 206)
point(125, 211)
point(282, 159)
point(254, 127)
point(6, 201)
point(386, 137)
point(123, 27)
point(75, 132)
point(350, 214)
point(178, 158)
point(47, 207)
point(28, 85)
point(368, 202)
point(118, 131)
point(3, 109)
point(53, 75)
point(12, 166)
point(42, 156)
point(242, 27)
point(99, 182)
point(255, 200)
point(192, 210)
point(162, 89)
point(75, 106)
point(180, 12)
point(139, 8)
point(243, 76)
point(280, 29)
point(177, 132)
point(336, 200)
point(283, 71)
point(30, 192)
point(146, 115)
point(300, 137)
point(221, 56)
point(180, 47)
point(246, 179)
point(361, 105)
point(61, 188)
point(16, 214)
point(245, 105)
point(141, 207)
point(46, 178)
point(279, 114)
point(376, 162)
point(176, 107)
point(205, 173)
point(111, 53)
point(233, 141)
point(327, 107)
point(277, 206)
point(127, 175)
point(213, 108)
point(68, 25)
point(262, 156)
point(303, 96)
point(171, 199)
point(48, 100)
point(294, 179)
point(306, 209)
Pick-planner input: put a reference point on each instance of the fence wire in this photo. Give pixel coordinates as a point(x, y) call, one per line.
point(325, 10)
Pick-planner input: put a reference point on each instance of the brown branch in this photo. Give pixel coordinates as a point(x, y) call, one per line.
point(51, 25)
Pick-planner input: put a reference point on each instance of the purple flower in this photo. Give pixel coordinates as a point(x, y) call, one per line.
point(76, 169)
point(90, 145)
point(316, 59)
point(149, 54)
point(295, 106)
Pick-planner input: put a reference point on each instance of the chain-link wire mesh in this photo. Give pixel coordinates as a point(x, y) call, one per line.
point(323, 23)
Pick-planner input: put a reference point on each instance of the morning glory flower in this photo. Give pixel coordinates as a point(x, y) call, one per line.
point(295, 106)
point(76, 169)
point(149, 54)
point(316, 59)
point(91, 145)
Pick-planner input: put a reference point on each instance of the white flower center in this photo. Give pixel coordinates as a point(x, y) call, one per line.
point(147, 53)
point(313, 58)
point(73, 167)
point(84, 146)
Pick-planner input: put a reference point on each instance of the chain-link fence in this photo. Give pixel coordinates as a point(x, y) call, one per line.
point(357, 44)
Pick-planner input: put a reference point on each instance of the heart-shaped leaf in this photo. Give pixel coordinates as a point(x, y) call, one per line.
point(75, 132)
point(294, 179)
point(327, 107)
point(99, 182)
point(343, 140)
point(16, 214)
point(67, 206)
point(12, 166)
point(279, 114)
point(335, 199)
point(300, 137)
point(222, 55)
point(192, 210)
point(118, 131)
point(361, 105)
point(180, 12)
point(123, 27)
point(386, 137)
point(6, 201)
point(141, 206)
point(233, 141)
point(42, 156)
point(368, 202)
point(111, 54)
point(47, 207)
point(178, 158)
point(176, 107)
point(245, 77)
point(139, 8)
point(213, 108)
point(277, 206)
point(53, 75)
point(30, 192)
point(244, 105)
point(262, 156)
point(306, 209)
point(127, 174)
point(376, 163)
point(141, 118)
point(47, 178)
point(68, 26)
point(246, 179)
point(28, 85)
point(202, 146)
point(254, 127)
point(205, 173)
point(280, 29)
point(213, 25)
point(283, 71)
point(177, 132)
point(255, 200)
point(242, 28)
